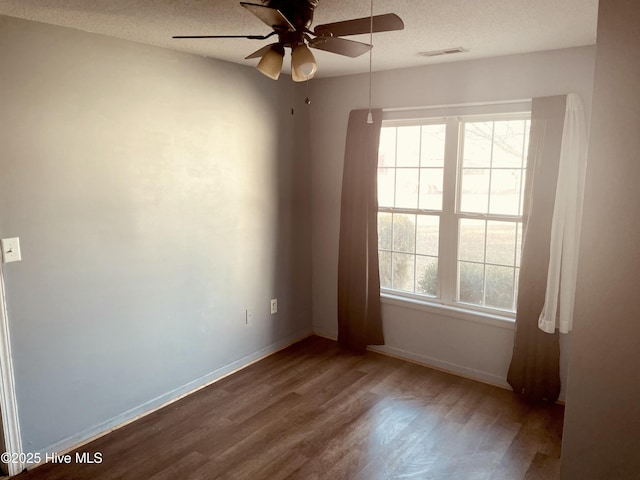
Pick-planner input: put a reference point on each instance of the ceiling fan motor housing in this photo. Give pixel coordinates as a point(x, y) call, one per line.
point(298, 12)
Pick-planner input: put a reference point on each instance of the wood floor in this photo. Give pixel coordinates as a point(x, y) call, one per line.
point(313, 411)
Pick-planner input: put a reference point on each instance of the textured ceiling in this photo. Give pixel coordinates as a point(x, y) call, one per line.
point(484, 27)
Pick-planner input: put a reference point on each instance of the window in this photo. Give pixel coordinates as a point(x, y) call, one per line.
point(450, 201)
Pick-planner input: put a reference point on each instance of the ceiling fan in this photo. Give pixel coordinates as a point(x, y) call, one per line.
point(291, 21)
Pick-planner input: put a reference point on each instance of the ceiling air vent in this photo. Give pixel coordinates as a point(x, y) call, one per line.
point(446, 51)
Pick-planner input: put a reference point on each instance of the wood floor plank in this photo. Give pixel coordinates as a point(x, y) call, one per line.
point(315, 411)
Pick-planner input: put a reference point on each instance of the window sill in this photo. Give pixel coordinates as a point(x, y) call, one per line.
point(501, 321)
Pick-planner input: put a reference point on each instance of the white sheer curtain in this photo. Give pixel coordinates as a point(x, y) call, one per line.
point(567, 221)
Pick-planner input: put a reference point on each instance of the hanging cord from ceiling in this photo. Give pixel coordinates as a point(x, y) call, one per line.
point(369, 115)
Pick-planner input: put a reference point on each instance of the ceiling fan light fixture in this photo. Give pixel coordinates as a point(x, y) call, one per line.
point(303, 63)
point(290, 21)
point(271, 62)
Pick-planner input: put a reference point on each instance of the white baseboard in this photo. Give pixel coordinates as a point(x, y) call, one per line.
point(427, 361)
point(82, 438)
point(448, 367)
point(453, 368)
point(321, 332)
point(445, 366)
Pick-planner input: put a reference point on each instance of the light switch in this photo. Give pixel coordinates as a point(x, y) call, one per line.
point(10, 250)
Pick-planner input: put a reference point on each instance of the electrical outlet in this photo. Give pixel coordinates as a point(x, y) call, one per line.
point(248, 317)
point(274, 306)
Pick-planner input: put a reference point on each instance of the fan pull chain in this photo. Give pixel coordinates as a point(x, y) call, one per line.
point(307, 99)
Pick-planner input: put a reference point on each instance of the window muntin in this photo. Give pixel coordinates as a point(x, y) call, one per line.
point(463, 251)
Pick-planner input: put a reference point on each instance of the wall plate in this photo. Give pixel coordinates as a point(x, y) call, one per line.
point(10, 250)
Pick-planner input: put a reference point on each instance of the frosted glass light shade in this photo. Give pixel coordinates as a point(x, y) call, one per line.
point(303, 64)
point(271, 63)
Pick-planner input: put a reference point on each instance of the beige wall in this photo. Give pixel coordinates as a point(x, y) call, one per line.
point(602, 424)
point(157, 195)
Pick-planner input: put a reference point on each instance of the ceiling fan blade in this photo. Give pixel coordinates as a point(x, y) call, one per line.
point(271, 16)
point(251, 37)
point(340, 46)
point(260, 52)
point(381, 23)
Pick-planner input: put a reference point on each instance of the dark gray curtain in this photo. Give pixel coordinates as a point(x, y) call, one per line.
point(535, 365)
point(359, 312)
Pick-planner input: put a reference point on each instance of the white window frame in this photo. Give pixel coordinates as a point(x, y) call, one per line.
point(452, 116)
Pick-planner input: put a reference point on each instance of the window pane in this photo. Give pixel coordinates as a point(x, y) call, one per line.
point(403, 271)
point(508, 143)
point(404, 233)
point(384, 258)
point(384, 231)
point(431, 188)
point(501, 243)
point(407, 188)
point(505, 191)
point(487, 175)
point(475, 190)
point(428, 235)
point(387, 148)
point(386, 186)
point(499, 292)
point(408, 146)
point(471, 242)
point(427, 276)
point(477, 144)
point(432, 148)
point(470, 282)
